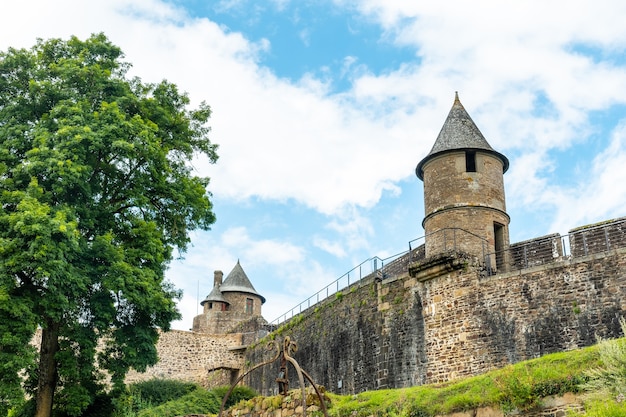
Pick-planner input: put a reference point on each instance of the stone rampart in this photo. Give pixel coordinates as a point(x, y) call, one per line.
point(207, 359)
point(446, 320)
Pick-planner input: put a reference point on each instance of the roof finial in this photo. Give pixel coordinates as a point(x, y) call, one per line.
point(456, 97)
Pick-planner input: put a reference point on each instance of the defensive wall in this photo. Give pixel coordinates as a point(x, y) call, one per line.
point(422, 321)
point(207, 359)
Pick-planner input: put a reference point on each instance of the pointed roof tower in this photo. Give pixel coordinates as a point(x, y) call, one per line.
point(459, 132)
point(214, 296)
point(237, 281)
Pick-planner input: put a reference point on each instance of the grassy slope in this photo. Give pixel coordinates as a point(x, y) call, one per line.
point(520, 386)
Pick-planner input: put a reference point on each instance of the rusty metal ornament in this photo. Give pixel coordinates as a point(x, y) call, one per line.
point(289, 347)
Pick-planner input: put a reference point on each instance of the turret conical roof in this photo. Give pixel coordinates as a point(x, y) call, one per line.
point(214, 296)
point(237, 281)
point(459, 132)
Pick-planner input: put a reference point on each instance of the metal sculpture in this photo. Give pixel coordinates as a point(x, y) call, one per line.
point(284, 354)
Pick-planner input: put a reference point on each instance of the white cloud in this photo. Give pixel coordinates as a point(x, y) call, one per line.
point(282, 140)
point(278, 140)
point(264, 251)
point(334, 248)
point(297, 141)
point(601, 196)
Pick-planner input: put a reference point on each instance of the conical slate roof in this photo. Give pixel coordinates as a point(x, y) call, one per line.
point(237, 281)
point(214, 296)
point(459, 132)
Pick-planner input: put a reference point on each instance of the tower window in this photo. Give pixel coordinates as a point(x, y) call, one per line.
point(470, 161)
point(249, 305)
point(498, 240)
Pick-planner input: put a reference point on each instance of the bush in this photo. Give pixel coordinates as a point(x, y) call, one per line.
point(240, 393)
point(159, 391)
point(142, 395)
point(196, 402)
point(610, 377)
point(102, 406)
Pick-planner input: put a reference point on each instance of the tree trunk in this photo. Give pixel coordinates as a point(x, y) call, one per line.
point(47, 368)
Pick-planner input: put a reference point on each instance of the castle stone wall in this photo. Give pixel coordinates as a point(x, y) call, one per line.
point(402, 331)
point(206, 359)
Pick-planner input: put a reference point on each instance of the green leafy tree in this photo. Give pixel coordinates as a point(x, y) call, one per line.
point(96, 194)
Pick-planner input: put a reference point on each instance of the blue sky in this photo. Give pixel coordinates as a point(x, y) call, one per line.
point(322, 110)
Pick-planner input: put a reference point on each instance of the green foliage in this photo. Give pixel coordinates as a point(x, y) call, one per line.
point(101, 406)
point(147, 394)
point(196, 402)
point(610, 375)
point(524, 385)
point(524, 391)
point(602, 407)
point(159, 391)
point(96, 193)
point(160, 397)
point(26, 409)
point(239, 393)
point(15, 351)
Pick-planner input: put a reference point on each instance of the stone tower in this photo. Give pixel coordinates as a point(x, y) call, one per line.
point(229, 303)
point(464, 200)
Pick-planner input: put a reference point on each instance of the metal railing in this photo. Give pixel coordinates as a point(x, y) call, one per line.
point(353, 276)
point(453, 238)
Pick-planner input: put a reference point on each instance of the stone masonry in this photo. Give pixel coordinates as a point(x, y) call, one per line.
point(206, 359)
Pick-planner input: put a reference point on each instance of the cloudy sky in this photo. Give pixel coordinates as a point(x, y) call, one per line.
point(323, 108)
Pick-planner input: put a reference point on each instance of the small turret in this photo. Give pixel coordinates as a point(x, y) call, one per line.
point(229, 303)
point(464, 200)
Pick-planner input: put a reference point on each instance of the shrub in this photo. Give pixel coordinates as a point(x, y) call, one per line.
point(240, 392)
point(196, 402)
point(159, 391)
point(610, 377)
point(142, 395)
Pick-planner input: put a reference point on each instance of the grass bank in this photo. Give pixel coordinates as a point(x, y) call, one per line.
point(521, 386)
